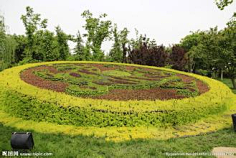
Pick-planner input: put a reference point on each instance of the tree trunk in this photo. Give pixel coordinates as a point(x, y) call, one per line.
point(222, 74)
point(233, 82)
point(124, 53)
point(189, 64)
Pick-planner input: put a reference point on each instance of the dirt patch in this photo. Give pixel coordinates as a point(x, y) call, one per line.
point(202, 87)
point(102, 83)
point(75, 74)
point(155, 76)
point(29, 77)
point(148, 79)
point(185, 79)
point(87, 72)
point(120, 81)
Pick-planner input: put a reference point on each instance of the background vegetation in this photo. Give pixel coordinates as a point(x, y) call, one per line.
point(207, 52)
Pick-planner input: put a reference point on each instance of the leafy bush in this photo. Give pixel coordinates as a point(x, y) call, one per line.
point(149, 55)
point(202, 72)
point(178, 58)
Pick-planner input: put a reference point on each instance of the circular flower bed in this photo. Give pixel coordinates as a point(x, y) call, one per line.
point(83, 95)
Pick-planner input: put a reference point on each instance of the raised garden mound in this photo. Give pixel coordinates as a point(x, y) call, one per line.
point(104, 95)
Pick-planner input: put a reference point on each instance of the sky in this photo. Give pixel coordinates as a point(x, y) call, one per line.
point(166, 21)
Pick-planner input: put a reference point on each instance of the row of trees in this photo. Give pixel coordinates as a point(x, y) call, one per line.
point(40, 44)
point(211, 52)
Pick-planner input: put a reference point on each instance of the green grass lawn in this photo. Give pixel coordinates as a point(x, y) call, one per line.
point(81, 146)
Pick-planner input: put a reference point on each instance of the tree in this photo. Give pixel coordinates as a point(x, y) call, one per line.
point(178, 58)
point(21, 44)
point(2, 38)
point(148, 55)
point(63, 46)
point(8, 54)
point(7, 47)
point(210, 41)
point(116, 52)
point(49, 47)
point(204, 52)
point(124, 41)
point(32, 23)
point(189, 44)
point(119, 49)
point(80, 53)
point(221, 4)
point(98, 30)
point(136, 43)
point(230, 50)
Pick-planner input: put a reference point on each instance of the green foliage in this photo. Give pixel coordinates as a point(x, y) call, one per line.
point(229, 49)
point(212, 51)
point(202, 72)
point(116, 52)
point(62, 44)
point(221, 4)
point(49, 47)
point(20, 105)
point(21, 44)
point(7, 47)
point(77, 91)
point(80, 52)
point(8, 52)
point(202, 47)
point(98, 30)
point(32, 23)
point(116, 73)
point(119, 49)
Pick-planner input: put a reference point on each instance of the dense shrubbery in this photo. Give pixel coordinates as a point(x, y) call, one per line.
point(146, 55)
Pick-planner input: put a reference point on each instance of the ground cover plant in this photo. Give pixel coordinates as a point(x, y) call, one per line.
point(27, 99)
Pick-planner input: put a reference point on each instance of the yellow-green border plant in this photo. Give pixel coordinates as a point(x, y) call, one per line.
point(218, 97)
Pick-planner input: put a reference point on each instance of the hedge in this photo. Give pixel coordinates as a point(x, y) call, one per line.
point(28, 102)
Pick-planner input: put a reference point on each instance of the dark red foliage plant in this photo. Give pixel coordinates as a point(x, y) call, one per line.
point(178, 58)
point(147, 54)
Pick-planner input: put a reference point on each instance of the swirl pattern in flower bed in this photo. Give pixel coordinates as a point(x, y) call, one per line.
point(113, 82)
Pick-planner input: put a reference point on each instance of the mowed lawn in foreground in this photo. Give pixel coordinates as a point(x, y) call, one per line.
point(81, 146)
